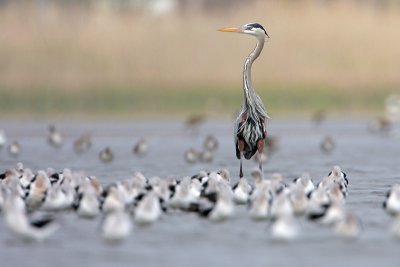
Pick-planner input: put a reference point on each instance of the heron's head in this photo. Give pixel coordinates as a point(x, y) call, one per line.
point(254, 29)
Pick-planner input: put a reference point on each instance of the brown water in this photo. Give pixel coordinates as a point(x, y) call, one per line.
point(371, 162)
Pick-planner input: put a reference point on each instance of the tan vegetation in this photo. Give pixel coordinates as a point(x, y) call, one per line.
point(340, 46)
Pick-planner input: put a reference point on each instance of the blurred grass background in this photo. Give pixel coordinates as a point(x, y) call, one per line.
point(142, 59)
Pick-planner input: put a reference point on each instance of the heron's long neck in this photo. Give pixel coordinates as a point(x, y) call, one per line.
point(249, 93)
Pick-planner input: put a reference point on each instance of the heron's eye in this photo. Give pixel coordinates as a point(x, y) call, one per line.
point(247, 27)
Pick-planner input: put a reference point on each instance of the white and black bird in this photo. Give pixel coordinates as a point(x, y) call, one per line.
point(191, 155)
point(37, 190)
point(206, 156)
point(26, 178)
point(329, 216)
point(128, 190)
point(83, 143)
point(391, 203)
point(241, 191)
point(148, 210)
point(349, 227)
point(55, 138)
point(222, 208)
point(394, 227)
point(10, 181)
point(116, 226)
point(223, 176)
point(277, 183)
point(210, 143)
point(250, 125)
point(141, 147)
point(106, 155)
point(298, 199)
point(3, 139)
point(21, 225)
point(186, 193)
point(113, 199)
point(306, 182)
point(338, 176)
point(318, 202)
point(327, 144)
point(336, 193)
point(14, 149)
point(260, 203)
point(260, 184)
point(202, 176)
point(284, 229)
point(281, 205)
point(57, 199)
point(87, 205)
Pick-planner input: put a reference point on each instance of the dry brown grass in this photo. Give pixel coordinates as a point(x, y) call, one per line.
point(340, 45)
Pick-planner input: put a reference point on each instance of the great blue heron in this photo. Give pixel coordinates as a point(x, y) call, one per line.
point(250, 124)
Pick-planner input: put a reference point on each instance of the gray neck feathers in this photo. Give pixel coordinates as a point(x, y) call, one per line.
point(252, 102)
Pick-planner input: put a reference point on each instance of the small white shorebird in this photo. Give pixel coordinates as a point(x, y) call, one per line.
point(18, 222)
point(141, 147)
point(129, 191)
point(306, 182)
point(339, 177)
point(210, 143)
point(113, 200)
point(332, 215)
point(26, 178)
point(186, 193)
point(106, 155)
point(260, 203)
point(281, 205)
point(298, 199)
point(14, 149)
point(148, 209)
point(37, 191)
point(116, 226)
point(241, 191)
point(88, 205)
point(223, 176)
point(83, 143)
point(349, 227)
point(277, 184)
point(3, 139)
point(10, 182)
point(284, 228)
point(260, 184)
point(392, 202)
point(327, 144)
point(206, 156)
point(191, 155)
point(336, 194)
point(318, 202)
point(55, 137)
point(223, 208)
point(395, 227)
point(57, 198)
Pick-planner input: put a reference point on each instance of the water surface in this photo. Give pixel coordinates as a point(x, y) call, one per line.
point(370, 161)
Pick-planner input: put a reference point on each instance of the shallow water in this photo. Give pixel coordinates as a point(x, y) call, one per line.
point(370, 161)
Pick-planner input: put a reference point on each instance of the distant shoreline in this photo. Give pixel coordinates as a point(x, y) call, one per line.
point(213, 102)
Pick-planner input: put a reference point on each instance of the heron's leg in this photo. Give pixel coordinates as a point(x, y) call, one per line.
point(241, 149)
point(260, 148)
point(241, 170)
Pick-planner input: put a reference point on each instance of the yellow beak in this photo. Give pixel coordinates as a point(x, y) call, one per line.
point(230, 29)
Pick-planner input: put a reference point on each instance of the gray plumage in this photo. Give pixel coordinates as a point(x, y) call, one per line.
point(249, 129)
